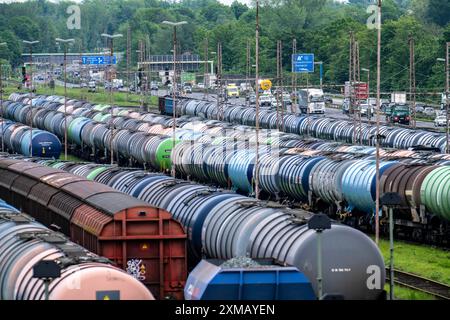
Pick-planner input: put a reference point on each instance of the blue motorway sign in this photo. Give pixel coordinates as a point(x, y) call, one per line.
point(98, 59)
point(303, 63)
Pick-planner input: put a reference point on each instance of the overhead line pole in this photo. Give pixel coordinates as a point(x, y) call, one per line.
point(174, 85)
point(2, 44)
point(111, 122)
point(412, 81)
point(65, 42)
point(257, 101)
point(378, 137)
point(30, 43)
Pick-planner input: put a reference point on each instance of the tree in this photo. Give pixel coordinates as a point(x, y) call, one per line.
point(439, 11)
point(238, 8)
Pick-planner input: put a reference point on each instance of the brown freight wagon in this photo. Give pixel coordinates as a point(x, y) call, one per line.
point(141, 239)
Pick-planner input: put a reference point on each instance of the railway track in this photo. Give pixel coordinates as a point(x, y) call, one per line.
point(438, 290)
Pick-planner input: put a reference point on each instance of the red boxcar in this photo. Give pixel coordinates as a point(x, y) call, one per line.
point(142, 239)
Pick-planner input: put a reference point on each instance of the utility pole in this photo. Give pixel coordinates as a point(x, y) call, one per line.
point(219, 82)
point(111, 122)
point(294, 75)
point(352, 80)
point(30, 43)
point(257, 101)
point(358, 79)
point(247, 74)
point(447, 102)
point(174, 84)
point(128, 61)
point(278, 82)
point(65, 42)
point(378, 137)
point(205, 67)
point(281, 84)
point(2, 44)
point(147, 58)
point(412, 81)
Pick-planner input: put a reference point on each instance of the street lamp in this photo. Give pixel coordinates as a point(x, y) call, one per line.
point(111, 37)
point(65, 42)
point(30, 43)
point(2, 44)
point(446, 94)
point(174, 79)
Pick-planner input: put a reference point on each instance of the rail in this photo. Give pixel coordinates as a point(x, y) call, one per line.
point(438, 290)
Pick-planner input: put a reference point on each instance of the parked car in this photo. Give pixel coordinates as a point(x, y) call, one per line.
point(440, 121)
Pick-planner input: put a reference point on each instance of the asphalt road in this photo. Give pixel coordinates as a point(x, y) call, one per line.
point(335, 113)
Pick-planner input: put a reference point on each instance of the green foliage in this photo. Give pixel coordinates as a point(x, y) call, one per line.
point(320, 26)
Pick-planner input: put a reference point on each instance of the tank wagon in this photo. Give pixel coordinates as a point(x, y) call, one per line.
point(319, 127)
point(142, 239)
point(309, 172)
point(84, 275)
point(222, 225)
point(16, 138)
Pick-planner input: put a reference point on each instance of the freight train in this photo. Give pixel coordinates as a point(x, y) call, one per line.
point(223, 225)
point(83, 275)
point(318, 127)
point(16, 138)
point(140, 238)
point(287, 160)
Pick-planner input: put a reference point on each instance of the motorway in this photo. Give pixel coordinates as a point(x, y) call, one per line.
point(331, 112)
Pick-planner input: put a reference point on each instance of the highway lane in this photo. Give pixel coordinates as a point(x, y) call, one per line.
point(331, 112)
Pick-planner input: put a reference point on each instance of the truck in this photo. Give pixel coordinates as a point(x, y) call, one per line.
point(398, 97)
point(398, 113)
point(444, 100)
point(311, 101)
point(356, 90)
point(232, 91)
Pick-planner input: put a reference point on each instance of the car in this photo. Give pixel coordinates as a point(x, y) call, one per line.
point(83, 85)
point(92, 86)
point(154, 87)
point(187, 89)
point(429, 111)
point(252, 99)
point(419, 108)
point(440, 121)
point(265, 100)
point(201, 85)
point(328, 99)
point(366, 111)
